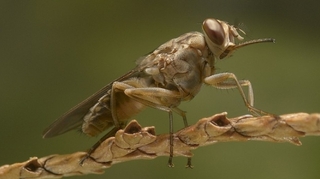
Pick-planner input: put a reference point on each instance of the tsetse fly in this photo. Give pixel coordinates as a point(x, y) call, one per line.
point(172, 73)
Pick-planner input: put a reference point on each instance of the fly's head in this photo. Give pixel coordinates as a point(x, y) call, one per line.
point(221, 38)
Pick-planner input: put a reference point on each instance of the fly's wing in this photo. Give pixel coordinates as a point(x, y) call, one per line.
point(74, 117)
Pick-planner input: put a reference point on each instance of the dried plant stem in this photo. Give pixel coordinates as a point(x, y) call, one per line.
point(135, 142)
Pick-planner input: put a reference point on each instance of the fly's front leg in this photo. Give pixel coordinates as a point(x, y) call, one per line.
point(229, 81)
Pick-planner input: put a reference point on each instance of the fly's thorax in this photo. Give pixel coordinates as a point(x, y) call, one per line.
point(180, 64)
point(189, 80)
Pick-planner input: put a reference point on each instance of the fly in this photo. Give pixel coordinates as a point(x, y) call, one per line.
point(172, 73)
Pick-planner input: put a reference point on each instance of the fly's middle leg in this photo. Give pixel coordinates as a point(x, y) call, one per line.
point(184, 117)
point(170, 163)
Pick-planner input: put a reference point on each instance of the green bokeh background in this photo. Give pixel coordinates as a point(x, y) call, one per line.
point(54, 54)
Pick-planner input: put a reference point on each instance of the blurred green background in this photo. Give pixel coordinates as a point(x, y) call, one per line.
point(54, 54)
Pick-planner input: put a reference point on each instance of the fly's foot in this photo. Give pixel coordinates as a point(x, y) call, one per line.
point(259, 112)
point(189, 165)
point(83, 159)
point(170, 163)
point(89, 152)
point(97, 144)
point(256, 112)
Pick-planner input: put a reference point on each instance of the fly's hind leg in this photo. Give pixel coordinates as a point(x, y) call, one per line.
point(230, 81)
point(117, 125)
point(164, 100)
point(111, 133)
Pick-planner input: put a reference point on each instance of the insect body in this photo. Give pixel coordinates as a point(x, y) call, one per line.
point(172, 73)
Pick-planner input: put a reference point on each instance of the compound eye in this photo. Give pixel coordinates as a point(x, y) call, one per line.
point(213, 29)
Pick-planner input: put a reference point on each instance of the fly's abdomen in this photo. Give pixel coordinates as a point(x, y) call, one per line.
point(99, 118)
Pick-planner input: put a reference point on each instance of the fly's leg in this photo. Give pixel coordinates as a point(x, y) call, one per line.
point(161, 99)
point(229, 81)
point(97, 144)
point(170, 163)
point(117, 125)
point(183, 114)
